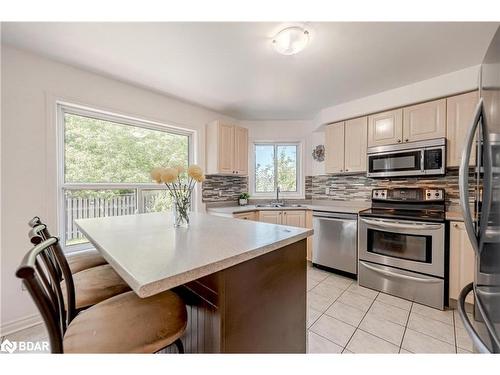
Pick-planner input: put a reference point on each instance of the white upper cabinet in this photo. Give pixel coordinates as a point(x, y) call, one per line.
point(424, 121)
point(356, 137)
point(226, 149)
point(459, 114)
point(385, 128)
point(241, 150)
point(334, 148)
point(345, 146)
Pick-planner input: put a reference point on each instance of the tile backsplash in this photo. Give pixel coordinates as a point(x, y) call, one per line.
point(223, 188)
point(359, 187)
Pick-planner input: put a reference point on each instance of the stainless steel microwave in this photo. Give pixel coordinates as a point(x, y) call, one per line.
point(408, 159)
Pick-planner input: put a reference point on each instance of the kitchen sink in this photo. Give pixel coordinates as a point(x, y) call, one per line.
point(278, 205)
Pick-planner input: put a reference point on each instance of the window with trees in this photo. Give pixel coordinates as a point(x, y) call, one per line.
point(106, 164)
point(276, 165)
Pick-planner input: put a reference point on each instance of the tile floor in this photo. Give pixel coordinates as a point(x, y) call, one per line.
point(343, 317)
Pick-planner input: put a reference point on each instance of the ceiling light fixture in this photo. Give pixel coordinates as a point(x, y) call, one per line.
point(291, 40)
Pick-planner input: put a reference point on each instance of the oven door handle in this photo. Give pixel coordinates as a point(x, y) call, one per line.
point(400, 275)
point(392, 225)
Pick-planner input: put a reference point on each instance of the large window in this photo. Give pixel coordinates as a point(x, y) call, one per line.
point(105, 167)
point(276, 165)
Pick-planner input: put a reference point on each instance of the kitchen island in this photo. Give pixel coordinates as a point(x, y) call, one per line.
point(244, 282)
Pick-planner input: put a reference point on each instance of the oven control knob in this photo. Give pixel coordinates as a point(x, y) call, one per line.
point(437, 194)
point(428, 194)
point(376, 194)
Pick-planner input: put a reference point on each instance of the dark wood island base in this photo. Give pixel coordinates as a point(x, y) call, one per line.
point(258, 306)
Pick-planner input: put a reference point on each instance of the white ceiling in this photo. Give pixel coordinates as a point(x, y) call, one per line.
point(232, 68)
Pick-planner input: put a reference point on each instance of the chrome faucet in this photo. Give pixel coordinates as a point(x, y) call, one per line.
point(277, 202)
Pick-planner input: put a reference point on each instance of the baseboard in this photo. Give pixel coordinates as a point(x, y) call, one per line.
point(20, 324)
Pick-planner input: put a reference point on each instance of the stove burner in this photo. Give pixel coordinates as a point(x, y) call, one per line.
point(394, 204)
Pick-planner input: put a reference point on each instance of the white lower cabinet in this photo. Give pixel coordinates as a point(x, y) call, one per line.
point(462, 260)
point(272, 217)
point(294, 218)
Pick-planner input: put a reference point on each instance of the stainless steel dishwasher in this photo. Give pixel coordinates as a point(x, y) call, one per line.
point(335, 241)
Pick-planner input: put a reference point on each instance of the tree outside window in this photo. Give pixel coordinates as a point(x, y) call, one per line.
point(276, 165)
point(106, 167)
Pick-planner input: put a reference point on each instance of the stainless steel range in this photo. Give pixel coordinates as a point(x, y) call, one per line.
point(402, 244)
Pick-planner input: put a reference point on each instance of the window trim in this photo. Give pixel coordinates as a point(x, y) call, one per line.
point(62, 186)
point(299, 194)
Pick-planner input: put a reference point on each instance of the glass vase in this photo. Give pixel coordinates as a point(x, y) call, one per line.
point(181, 212)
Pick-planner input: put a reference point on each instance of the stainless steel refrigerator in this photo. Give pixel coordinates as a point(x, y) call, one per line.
point(480, 202)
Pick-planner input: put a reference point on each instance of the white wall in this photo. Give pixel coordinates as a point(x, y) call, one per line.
point(30, 86)
point(440, 86)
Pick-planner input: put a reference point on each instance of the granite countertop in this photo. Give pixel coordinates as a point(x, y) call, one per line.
point(453, 213)
point(152, 256)
point(329, 206)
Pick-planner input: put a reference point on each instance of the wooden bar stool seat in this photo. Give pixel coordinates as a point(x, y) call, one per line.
point(128, 324)
point(95, 285)
point(79, 261)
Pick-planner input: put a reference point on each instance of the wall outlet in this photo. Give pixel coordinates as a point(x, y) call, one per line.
point(327, 190)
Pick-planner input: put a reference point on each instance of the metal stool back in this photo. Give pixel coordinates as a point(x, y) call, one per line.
point(43, 282)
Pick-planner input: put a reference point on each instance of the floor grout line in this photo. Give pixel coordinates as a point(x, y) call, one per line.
point(324, 313)
point(406, 326)
point(455, 332)
point(410, 312)
point(357, 327)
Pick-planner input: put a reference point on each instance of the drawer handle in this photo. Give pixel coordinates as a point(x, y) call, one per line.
point(401, 276)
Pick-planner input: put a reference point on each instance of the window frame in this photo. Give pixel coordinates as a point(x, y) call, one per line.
point(62, 186)
point(299, 194)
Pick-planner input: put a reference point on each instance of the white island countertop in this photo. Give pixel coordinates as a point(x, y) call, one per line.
point(152, 256)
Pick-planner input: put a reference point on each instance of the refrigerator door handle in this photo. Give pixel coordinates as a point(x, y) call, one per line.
point(463, 179)
point(476, 339)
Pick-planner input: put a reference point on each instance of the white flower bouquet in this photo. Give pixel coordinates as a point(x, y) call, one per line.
point(180, 185)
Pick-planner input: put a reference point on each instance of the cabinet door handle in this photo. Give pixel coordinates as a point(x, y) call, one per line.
point(347, 170)
point(342, 170)
point(399, 140)
point(406, 140)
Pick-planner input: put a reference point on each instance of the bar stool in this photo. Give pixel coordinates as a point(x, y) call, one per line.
point(92, 285)
point(122, 324)
point(80, 261)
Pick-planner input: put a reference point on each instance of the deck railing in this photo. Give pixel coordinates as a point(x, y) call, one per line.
point(90, 207)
